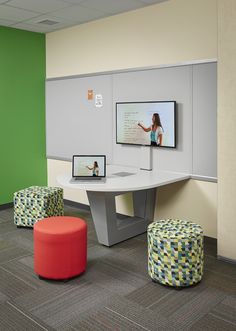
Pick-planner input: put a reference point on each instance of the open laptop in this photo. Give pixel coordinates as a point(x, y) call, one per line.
point(88, 167)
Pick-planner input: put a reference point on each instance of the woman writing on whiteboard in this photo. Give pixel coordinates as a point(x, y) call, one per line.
point(94, 168)
point(156, 130)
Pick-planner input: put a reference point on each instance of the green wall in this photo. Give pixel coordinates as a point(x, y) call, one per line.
point(22, 111)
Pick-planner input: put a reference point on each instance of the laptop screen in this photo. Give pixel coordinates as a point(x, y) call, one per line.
point(89, 166)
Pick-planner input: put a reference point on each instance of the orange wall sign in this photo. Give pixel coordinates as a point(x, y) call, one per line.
point(90, 94)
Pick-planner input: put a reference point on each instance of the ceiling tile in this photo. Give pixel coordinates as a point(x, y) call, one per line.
point(60, 20)
point(31, 27)
point(79, 14)
point(40, 27)
point(42, 6)
point(113, 6)
point(10, 13)
point(6, 22)
point(26, 14)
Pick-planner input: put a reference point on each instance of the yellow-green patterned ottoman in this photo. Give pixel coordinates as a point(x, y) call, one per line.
point(37, 202)
point(175, 252)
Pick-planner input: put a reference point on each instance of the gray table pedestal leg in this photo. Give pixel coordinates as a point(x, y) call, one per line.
point(112, 228)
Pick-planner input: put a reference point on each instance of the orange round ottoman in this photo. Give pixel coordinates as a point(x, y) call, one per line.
point(60, 247)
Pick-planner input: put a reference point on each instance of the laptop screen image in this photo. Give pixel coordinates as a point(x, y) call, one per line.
point(89, 166)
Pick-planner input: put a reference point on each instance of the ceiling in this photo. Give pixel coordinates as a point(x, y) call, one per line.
point(50, 15)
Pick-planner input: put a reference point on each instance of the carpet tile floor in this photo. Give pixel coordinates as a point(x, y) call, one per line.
point(115, 293)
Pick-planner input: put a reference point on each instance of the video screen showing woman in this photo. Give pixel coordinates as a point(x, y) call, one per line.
point(156, 130)
point(89, 166)
point(146, 123)
point(94, 168)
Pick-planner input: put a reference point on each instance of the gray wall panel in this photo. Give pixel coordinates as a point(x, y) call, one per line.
point(205, 119)
point(160, 84)
point(73, 124)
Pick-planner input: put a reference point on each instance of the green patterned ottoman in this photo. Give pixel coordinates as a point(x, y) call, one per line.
point(37, 202)
point(175, 252)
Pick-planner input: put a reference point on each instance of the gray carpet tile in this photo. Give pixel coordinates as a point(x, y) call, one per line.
point(3, 298)
point(12, 286)
point(2, 220)
point(150, 294)
point(211, 322)
point(7, 227)
point(173, 299)
point(115, 292)
point(45, 294)
point(74, 211)
point(65, 306)
point(194, 308)
point(28, 261)
point(142, 237)
point(97, 251)
point(95, 256)
point(219, 281)
point(146, 318)
point(7, 214)
point(106, 319)
point(220, 267)
point(230, 301)
point(12, 252)
point(4, 245)
point(132, 248)
point(23, 272)
point(114, 279)
point(226, 310)
point(22, 237)
point(137, 266)
point(14, 318)
point(92, 242)
point(92, 238)
point(67, 310)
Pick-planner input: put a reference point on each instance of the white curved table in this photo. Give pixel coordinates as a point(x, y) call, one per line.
point(111, 227)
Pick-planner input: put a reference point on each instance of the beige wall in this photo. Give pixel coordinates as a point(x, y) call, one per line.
point(193, 200)
point(174, 31)
point(227, 129)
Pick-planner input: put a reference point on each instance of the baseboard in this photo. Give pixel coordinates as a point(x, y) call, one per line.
point(6, 206)
point(76, 204)
point(226, 259)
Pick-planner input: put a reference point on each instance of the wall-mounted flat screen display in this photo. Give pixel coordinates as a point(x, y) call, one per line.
point(151, 123)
